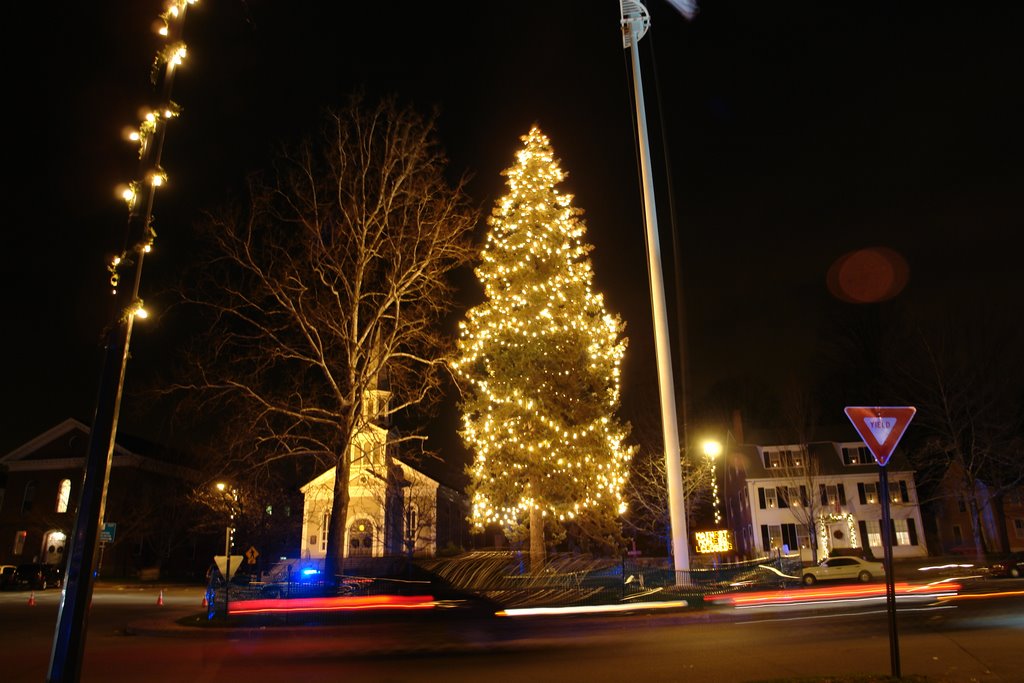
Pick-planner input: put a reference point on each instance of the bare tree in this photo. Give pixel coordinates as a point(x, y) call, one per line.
point(800, 475)
point(800, 479)
point(965, 379)
point(647, 492)
point(324, 292)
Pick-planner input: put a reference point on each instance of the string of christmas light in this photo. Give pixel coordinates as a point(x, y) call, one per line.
point(139, 195)
point(541, 359)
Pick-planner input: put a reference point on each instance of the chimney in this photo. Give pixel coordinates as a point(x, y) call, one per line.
point(737, 426)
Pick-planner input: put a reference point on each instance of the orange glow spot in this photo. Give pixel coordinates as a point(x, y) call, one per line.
point(868, 275)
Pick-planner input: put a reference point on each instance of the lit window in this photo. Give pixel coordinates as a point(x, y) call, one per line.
point(871, 493)
point(63, 495)
point(323, 531)
point(769, 499)
point(874, 533)
point(833, 494)
point(902, 532)
point(19, 542)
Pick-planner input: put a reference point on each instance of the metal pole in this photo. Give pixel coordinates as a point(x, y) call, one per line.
point(663, 351)
point(890, 585)
point(227, 568)
point(69, 634)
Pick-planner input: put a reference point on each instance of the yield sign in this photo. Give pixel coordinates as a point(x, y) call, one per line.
point(881, 427)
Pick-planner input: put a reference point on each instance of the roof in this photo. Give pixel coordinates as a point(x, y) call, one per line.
point(827, 454)
point(66, 445)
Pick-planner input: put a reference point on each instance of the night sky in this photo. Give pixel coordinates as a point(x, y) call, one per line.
point(795, 133)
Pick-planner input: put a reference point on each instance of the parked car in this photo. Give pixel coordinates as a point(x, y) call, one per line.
point(6, 572)
point(839, 568)
point(1011, 566)
point(36, 576)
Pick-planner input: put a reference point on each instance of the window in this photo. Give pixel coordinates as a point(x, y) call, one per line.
point(832, 494)
point(961, 504)
point(874, 533)
point(857, 455)
point(802, 538)
point(63, 495)
point(783, 457)
point(870, 496)
point(770, 498)
point(410, 523)
point(793, 497)
point(790, 537)
point(29, 498)
point(902, 532)
point(1018, 528)
point(323, 531)
point(19, 542)
point(958, 535)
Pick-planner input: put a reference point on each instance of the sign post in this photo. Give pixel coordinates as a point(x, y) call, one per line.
point(881, 429)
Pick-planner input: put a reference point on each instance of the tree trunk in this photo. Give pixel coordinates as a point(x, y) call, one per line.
point(334, 562)
point(977, 530)
point(536, 540)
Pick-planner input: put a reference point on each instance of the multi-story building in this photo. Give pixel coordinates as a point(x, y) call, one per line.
point(147, 491)
point(967, 516)
point(816, 498)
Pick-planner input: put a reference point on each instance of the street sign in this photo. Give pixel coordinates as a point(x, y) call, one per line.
point(251, 554)
point(881, 427)
point(108, 532)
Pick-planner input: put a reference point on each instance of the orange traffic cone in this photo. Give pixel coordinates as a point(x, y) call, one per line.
point(160, 599)
point(32, 599)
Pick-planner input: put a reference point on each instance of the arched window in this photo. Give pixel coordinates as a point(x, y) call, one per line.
point(30, 496)
point(63, 495)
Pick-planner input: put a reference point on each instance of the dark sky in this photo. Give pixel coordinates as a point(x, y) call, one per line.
point(795, 133)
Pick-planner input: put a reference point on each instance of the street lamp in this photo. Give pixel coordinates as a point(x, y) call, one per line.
point(713, 449)
point(231, 497)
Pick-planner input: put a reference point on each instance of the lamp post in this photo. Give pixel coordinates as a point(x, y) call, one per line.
point(232, 499)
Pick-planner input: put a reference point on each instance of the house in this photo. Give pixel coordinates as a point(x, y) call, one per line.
point(817, 498)
point(394, 509)
point(997, 516)
point(41, 485)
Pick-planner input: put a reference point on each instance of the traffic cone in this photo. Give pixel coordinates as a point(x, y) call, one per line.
point(205, 603)
point(32, 599)
point(160, 599)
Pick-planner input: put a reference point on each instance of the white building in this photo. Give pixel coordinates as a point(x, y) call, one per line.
point(393, 508)
point(823, 496)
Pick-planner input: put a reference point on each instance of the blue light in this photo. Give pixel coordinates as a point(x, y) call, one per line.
point(310, 571)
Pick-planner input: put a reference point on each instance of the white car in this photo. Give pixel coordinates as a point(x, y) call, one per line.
point(836, 568)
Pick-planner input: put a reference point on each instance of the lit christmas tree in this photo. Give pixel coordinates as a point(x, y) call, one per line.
point(540, 361)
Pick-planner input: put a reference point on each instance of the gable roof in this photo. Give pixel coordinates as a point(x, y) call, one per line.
point(66, 445)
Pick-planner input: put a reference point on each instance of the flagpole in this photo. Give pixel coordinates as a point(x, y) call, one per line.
point(635, 22)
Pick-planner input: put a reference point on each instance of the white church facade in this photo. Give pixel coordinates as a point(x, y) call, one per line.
point(394, 509)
